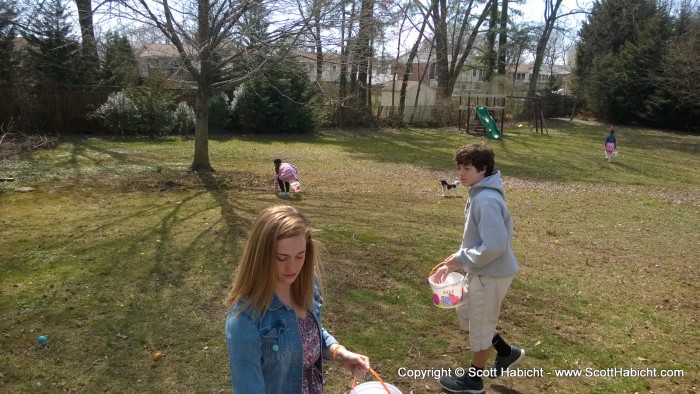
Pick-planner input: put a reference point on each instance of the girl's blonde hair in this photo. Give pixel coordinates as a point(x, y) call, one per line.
point(256, 274)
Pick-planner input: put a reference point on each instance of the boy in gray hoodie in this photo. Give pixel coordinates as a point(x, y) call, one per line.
point(487, 258)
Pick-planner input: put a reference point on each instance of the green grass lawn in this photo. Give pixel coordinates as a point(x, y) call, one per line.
point(118, 252)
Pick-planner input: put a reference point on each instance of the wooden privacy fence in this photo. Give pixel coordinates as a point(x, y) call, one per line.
point(60, 110)
point(68, 111)
point(57, 111)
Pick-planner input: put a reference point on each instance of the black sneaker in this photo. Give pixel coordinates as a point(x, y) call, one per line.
point(461, 384)
point(503, 363)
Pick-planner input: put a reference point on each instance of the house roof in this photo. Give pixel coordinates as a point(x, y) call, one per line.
point(522, 68)
point(557, 69)
point(561, 69)
point(157, 50)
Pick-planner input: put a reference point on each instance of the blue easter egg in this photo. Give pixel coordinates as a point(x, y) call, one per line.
point(43, 339)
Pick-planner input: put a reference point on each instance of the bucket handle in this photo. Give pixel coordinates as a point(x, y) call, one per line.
point(436, 267)
point(376, 375)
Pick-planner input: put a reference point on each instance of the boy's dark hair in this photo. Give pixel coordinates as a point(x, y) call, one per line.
point(477, 154)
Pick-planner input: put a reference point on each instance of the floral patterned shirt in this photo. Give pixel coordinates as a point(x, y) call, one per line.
point(312, 382)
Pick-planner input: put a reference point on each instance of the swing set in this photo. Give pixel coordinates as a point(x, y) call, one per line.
point(495, 105)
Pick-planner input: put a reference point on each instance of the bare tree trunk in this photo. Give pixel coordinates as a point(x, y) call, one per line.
point(491, 43)
point(317, 39)
point(551, 8)
point(201, 131)
point(345, 50)
point(503, 38)
point(343, 78)
point(370, 65)
point(398, 53)
point(362, 53)
point(409, 65)
point(353, 74)
point(204, 91)
point(447, 69)
point(427, 69)
point(87, 33)
point(439, 10)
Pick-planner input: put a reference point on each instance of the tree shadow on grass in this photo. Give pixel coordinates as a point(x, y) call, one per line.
point(225, 231)
point(84, 153)
point(427, 148)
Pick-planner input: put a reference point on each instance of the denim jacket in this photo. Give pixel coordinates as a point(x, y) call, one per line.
point(266, 353)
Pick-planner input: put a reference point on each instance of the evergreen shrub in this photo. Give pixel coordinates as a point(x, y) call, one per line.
point(155, 107)
point(119, 114)
point(184, 119)
point(219, 112)
point(279, 100)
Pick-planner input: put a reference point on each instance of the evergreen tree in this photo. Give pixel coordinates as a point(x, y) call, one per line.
point(678, 85)
point(8, 57)
point(119, 64)
point(619, 53)
point(277, 101)
point(255, 24)
point(54, 55)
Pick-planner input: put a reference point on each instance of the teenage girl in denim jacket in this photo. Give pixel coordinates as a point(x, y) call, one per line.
point(276, 341)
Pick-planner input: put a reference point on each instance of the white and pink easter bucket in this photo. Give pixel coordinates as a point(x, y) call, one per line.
point(448, 294)
point(374, 387)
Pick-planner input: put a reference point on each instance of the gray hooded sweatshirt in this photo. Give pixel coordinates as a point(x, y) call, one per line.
point(488, 231)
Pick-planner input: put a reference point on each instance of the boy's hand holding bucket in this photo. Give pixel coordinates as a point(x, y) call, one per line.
point(449, 265)
point(447, 287)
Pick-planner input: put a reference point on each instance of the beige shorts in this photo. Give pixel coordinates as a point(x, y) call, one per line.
point(480, 309)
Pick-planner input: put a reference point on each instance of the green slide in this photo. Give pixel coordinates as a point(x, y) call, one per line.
point(491, 129)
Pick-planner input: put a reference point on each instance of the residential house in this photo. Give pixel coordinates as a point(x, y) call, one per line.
point(332, 61)
point(423, 66)
point(331, 65)
point(472, 76)
point(163, 60)
point(523, 73)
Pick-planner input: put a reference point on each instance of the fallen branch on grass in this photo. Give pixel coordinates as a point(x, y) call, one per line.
point(14, 143)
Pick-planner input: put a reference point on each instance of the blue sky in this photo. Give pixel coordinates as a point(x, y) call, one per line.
point(534, 9)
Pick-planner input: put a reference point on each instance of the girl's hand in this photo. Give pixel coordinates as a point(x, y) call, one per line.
point(357, 364)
